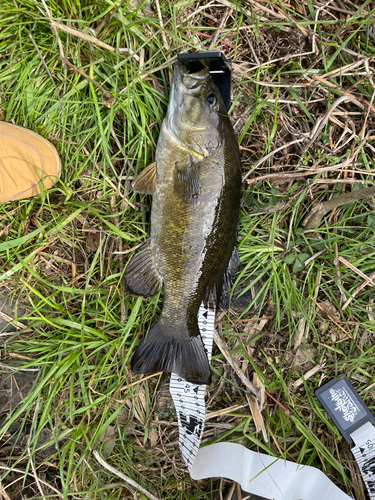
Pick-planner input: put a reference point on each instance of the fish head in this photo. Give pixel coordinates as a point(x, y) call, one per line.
point(196, 113)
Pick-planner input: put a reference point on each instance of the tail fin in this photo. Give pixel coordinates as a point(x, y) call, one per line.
point(163, 352)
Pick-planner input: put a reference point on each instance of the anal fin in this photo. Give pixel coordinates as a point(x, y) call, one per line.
point(141, 275)
point(145, 183)
point(223, 282)
point(233, 265)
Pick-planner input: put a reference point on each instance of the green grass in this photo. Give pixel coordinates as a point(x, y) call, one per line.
point(84, 327)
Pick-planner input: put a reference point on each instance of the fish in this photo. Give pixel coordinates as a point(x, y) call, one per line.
point(195, 183)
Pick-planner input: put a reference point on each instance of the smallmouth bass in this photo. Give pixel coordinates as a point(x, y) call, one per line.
point(195, 183)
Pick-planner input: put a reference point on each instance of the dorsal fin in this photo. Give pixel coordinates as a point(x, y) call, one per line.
point(145, 183)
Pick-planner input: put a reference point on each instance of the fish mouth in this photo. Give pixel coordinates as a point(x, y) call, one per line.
point(185, 84)
point(191, 80)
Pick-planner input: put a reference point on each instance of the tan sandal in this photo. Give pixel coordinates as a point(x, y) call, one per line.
point(28, 163)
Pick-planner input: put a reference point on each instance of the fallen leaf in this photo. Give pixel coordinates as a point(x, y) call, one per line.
point(93, 241)
point(153, 437)
point(108, 438)
point(329, 309)
point(141, 404)
point(122, 416)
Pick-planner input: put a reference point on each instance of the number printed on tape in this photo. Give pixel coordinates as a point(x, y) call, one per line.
point(365, 457)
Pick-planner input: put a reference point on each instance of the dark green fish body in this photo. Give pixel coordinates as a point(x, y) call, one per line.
point(196, 192)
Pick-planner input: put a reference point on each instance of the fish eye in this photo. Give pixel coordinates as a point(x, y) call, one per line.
point(211, 99)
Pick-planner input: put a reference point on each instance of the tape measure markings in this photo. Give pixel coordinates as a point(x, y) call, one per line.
point(188, 398)
point(364, 454)
point(365, 457)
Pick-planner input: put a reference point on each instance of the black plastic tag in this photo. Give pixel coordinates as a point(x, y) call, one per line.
point(218, 66)
point(343, 404)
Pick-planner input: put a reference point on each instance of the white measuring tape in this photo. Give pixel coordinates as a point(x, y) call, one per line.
point(364, 453)
point(258, 473)
point(188, 398)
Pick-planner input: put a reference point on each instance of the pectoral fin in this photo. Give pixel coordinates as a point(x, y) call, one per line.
point(186, 182)
point(141, 275)
point(145, 183)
